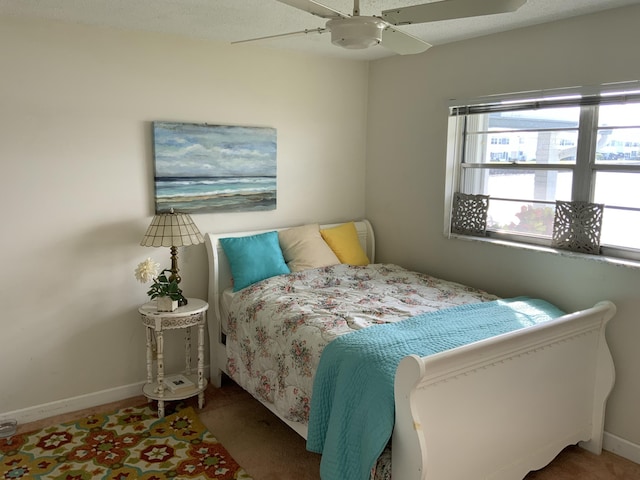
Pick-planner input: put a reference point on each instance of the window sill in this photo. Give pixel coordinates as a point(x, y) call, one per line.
point(623, 262)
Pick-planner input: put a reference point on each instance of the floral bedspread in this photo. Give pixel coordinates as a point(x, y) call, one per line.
point(278, 327)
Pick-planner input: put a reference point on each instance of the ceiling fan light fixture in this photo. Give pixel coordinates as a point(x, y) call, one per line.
point(356, 32)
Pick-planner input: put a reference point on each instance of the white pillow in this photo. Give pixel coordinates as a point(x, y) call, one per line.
point(303, 248)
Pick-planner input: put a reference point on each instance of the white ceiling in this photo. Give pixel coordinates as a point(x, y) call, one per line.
point(233, 20)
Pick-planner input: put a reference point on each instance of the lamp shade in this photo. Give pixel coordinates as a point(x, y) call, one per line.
point(172, 230)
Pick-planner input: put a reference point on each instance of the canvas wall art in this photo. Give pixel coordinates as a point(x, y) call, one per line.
point(202, 168)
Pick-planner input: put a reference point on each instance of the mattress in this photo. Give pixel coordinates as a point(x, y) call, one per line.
point(225, 302)
point(277, 328)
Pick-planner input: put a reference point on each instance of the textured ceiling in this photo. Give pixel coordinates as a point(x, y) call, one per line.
point(233, 20)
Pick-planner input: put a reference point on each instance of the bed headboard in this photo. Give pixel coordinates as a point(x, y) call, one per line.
point(220, 272)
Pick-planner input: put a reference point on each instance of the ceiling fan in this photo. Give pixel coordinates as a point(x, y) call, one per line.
point(360, 31)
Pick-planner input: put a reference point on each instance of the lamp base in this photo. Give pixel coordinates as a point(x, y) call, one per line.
point(182, 302)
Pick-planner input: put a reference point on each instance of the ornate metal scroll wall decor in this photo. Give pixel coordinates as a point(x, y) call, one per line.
point(470, 214)
point(577, 226)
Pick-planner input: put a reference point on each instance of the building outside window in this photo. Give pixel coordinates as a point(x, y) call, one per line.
point(526, 153)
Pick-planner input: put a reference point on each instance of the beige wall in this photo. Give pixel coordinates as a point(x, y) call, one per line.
point(75, 110)
point(76, 106)
point(406, 174)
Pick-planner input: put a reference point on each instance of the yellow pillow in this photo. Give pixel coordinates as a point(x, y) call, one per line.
point(344, 242)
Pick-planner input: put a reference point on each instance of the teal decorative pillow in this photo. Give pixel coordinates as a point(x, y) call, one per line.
point(254, 258)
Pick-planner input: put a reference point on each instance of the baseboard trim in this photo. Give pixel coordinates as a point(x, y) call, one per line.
point(73, 404)
point(621, 447)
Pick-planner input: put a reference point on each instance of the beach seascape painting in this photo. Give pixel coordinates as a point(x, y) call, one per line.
point(202, 168)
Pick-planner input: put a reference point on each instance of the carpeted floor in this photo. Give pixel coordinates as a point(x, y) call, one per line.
point(268, 450)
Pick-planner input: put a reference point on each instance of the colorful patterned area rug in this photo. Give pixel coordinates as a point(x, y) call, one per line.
point(132, 443)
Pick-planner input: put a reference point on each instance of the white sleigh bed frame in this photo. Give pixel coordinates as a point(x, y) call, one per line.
point(494, 409)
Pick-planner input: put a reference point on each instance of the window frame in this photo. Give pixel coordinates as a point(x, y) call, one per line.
point(583, 170)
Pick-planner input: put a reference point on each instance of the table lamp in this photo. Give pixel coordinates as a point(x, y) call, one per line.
point(172, 230)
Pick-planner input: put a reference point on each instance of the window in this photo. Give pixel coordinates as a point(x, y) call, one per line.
point(526, 154)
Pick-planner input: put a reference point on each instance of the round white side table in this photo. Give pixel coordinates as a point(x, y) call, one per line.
point(191, 315)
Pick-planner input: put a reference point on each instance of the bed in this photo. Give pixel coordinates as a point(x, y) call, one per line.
point(495, 408)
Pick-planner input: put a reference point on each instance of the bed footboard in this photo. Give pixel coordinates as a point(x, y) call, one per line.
point(499, 408)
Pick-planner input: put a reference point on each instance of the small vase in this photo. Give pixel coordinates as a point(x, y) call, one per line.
point(165, 304)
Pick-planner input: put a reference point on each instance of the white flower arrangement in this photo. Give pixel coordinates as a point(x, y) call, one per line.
point(162, 285)
point(147, 270)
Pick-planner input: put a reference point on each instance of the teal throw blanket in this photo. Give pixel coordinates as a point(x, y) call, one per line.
point(352, 407)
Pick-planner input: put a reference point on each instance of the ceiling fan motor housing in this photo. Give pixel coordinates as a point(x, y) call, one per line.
point(356, 32)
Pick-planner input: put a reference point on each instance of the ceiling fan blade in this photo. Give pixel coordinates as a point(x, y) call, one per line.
point(290, 34)
point(402, 43)
point(314, 8)
point(449, 9)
